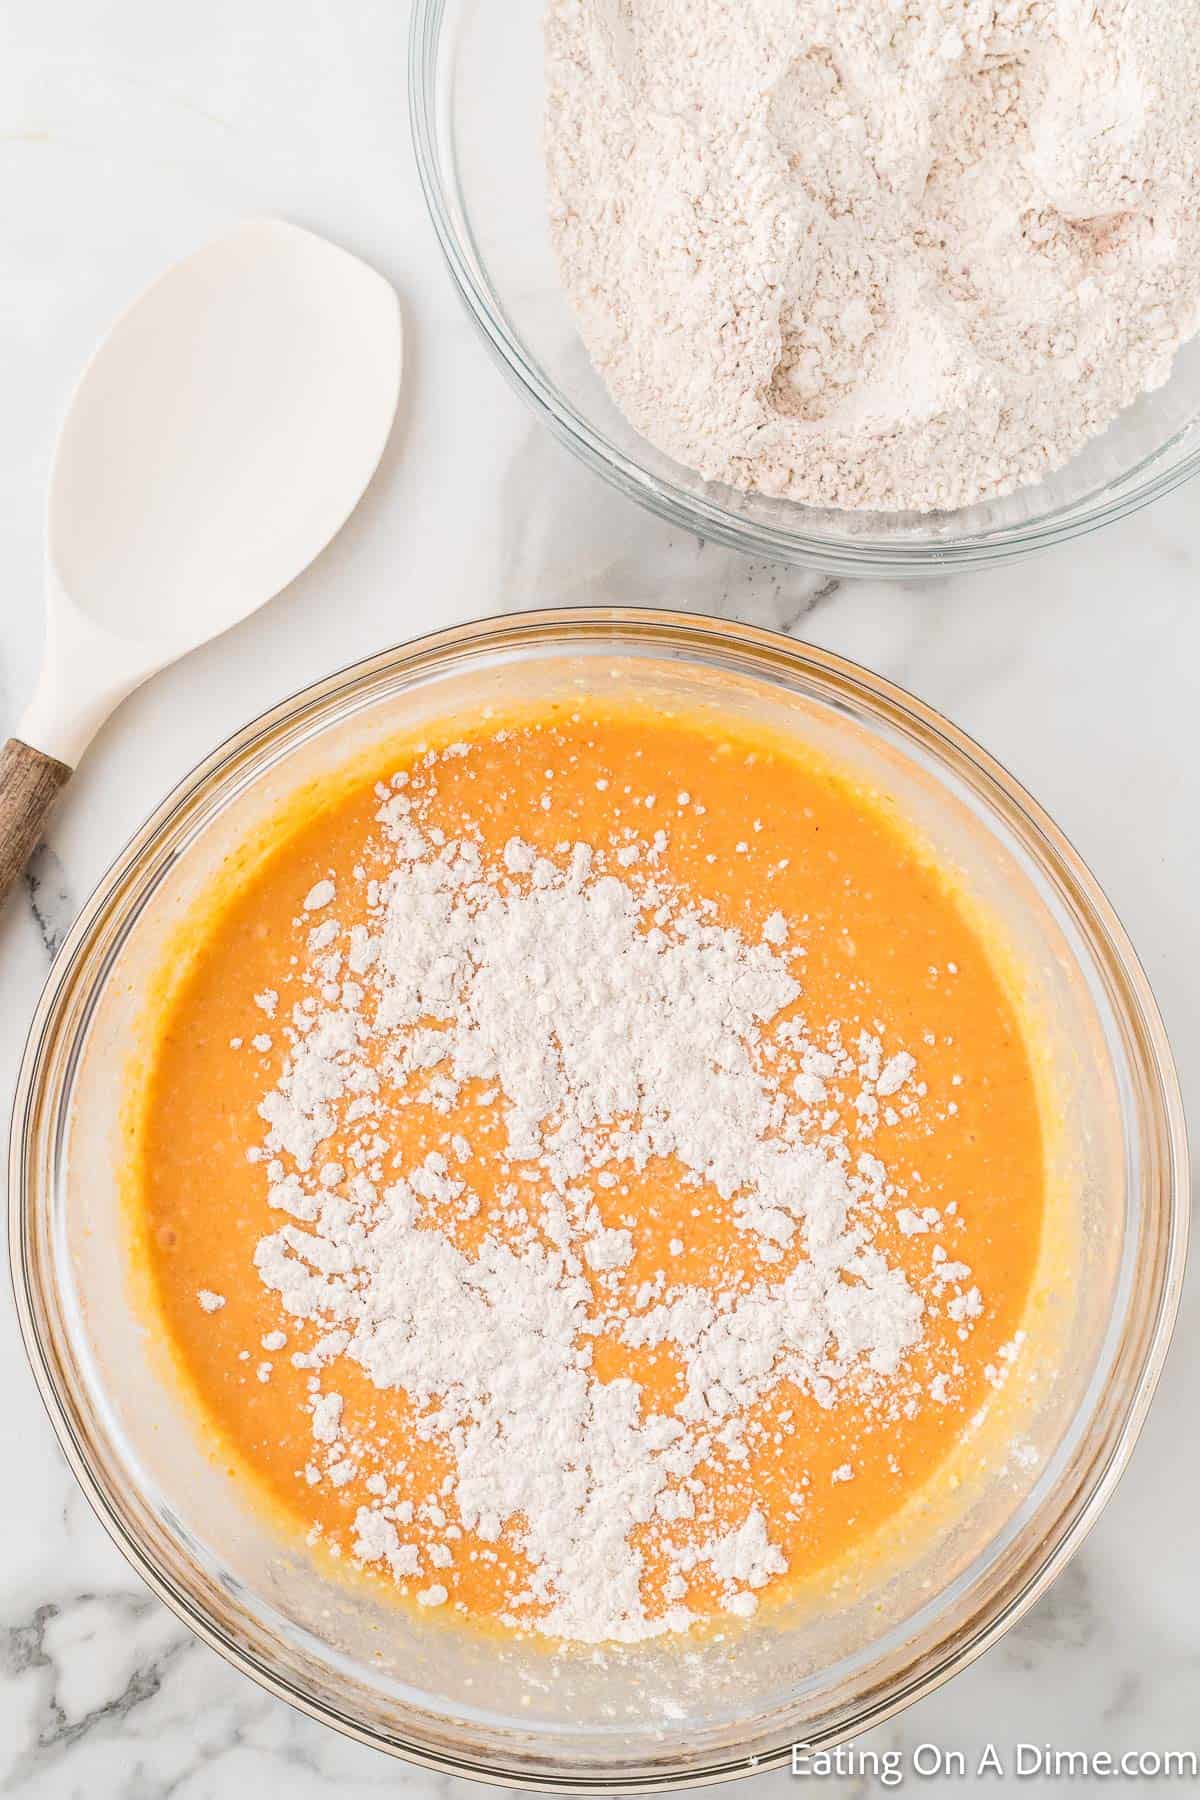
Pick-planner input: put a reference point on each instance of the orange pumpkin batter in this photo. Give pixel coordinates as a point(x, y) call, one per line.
point(886, 951)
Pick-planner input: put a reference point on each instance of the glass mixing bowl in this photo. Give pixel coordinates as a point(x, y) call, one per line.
point(475, 93)
point(647, 1716)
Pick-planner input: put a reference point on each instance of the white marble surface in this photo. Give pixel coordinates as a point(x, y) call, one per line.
point(130, 131)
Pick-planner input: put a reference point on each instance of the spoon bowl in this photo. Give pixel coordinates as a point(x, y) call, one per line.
point(219, 437)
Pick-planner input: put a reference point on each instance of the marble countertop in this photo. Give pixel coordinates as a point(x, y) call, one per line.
point(132, 131)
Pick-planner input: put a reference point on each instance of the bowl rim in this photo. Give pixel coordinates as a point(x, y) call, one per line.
point(665, 629)
point(708, 518)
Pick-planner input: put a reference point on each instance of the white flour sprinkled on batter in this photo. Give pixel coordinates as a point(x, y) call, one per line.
point(607, 1021)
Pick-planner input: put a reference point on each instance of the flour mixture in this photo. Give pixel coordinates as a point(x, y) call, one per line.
point(892, 254)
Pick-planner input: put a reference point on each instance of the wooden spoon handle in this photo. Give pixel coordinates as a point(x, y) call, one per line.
point(29, 780)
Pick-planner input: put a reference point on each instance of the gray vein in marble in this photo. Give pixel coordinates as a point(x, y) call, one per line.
point(1063, 1619)
point(565, 539)
point(1125, 1696)
point(26, 1647)
point(758, 593)
point(50, 898)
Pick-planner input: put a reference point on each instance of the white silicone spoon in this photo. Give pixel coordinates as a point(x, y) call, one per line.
point(219, 437)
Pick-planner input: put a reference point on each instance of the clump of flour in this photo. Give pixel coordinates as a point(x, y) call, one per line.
point(894, 254)
point(593, 1020)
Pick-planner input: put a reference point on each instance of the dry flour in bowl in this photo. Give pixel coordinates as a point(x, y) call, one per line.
point(891, 254)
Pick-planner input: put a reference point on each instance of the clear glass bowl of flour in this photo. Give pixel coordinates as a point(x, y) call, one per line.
point(476, 96)
point(654, 1715)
